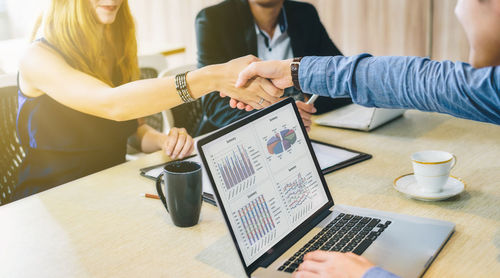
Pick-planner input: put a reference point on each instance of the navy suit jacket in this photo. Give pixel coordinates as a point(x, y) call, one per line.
point(227, 30)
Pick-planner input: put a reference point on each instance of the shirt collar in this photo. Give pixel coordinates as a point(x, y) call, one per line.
point(282, 23)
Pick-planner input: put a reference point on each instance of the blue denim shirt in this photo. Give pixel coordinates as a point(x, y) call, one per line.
point(457, 88)
point(377, 272)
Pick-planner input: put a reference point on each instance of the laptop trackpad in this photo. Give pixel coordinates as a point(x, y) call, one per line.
point(407, 245)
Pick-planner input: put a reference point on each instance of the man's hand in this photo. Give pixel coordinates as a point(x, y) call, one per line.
point(277, 71)
point(332, 265)
point(305, 111)
point(257, 92)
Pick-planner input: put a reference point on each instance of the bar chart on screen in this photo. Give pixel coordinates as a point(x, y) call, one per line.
point(257, 223)
point(237, 167)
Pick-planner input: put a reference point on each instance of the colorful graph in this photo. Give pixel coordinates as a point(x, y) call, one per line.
point(256, 219)
point(281, 141)
point(295, 193)
point(235, 167)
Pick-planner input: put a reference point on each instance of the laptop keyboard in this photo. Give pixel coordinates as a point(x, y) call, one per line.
point(345, 233)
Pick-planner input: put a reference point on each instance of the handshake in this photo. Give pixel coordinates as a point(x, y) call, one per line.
point(255, 84)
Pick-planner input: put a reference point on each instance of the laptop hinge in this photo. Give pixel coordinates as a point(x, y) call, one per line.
point(292, 238)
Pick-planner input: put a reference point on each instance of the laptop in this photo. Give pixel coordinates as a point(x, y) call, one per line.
point(354, 116)
point(277, 205)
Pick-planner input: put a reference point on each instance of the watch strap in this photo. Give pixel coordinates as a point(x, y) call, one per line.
point(294, 68)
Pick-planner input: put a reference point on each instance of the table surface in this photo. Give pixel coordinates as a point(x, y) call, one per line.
point(101, 226)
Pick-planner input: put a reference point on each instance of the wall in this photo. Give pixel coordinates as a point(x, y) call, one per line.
point(394, 27)
point(449, 41)
point(380, 27)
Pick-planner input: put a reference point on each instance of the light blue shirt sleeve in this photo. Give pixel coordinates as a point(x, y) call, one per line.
point(377, 272)
point(457, 88)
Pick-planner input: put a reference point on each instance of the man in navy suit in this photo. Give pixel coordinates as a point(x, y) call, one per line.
point(268, 29)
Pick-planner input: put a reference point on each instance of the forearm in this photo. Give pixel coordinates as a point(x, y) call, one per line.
point(86, 93)
point(406, 82)
point(145, 97)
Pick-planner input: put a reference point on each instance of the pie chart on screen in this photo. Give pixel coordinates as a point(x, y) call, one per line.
point(281, 141)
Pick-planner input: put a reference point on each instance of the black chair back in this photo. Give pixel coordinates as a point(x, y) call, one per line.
point(11, 152)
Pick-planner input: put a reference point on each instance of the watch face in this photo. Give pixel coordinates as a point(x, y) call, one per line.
point(294, 67)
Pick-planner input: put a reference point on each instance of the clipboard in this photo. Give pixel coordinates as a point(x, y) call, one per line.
point(330, 157)
point(340, 157)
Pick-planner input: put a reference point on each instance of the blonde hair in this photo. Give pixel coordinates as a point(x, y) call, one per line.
point(72, 27)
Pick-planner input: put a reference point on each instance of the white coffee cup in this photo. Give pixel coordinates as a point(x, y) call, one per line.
point(432, 169)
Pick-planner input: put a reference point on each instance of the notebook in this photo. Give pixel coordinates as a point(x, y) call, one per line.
point(355, 116)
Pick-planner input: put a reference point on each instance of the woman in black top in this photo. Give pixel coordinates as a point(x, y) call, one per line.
point(79, 98)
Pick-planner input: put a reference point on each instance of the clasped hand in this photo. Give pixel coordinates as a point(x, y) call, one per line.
point(257, 92)
point(273, 77)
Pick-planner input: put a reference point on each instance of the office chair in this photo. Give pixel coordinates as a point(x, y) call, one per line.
point(11, 152)
point(188, 115)
point(156, 120)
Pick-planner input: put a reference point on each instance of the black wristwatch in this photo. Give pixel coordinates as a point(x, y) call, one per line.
point(294, 68)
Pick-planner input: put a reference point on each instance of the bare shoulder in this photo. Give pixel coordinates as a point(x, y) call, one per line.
point(36, 56)
point(37, 62)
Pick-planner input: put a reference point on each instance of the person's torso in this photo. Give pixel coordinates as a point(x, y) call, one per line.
point(62, 144)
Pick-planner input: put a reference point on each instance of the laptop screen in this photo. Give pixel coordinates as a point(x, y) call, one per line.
point(266, 179)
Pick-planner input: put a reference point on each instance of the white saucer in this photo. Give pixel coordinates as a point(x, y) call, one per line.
point(407, 184)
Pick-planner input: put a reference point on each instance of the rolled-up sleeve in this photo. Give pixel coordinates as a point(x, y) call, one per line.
point(406, 82)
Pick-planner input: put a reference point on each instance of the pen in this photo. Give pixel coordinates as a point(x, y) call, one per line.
point(312, 99)
point(152, 196)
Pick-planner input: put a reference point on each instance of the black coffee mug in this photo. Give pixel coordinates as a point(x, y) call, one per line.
point(183, 190)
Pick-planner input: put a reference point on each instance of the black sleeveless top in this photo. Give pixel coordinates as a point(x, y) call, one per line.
point(63, 144)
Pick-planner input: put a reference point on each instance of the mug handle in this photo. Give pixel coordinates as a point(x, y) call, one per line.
point(160, 192)
point(454, 161)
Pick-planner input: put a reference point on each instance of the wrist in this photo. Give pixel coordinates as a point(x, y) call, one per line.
point(203, 80)
point(160, 140)
point(286, 72)
point(294, 73)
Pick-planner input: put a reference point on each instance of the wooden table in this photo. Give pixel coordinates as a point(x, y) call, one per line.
point(100, 226)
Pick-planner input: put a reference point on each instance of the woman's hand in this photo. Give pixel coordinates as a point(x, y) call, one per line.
point(177, 143)
point(257, 92)
point(332, 265)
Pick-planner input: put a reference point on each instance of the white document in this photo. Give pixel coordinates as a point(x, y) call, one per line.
point(329, 156)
